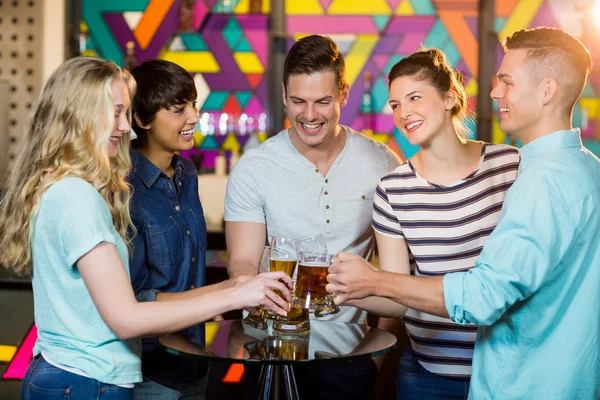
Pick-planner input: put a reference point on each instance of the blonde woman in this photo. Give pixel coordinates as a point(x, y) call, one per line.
point(64, 220)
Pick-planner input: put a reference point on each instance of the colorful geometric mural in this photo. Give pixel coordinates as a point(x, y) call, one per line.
point(228, 51)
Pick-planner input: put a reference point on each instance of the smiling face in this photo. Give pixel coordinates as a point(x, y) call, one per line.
point(121, 103)
point(172, 129)
point(517, 92)
point(419, 111)
point(313, 106)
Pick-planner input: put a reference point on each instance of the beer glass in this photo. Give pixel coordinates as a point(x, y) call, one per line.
point(310, 285)
point(257, 317)
point(284, 257)
point(313, 243)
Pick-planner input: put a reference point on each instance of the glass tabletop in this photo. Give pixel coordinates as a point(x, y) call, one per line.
point(327, 341)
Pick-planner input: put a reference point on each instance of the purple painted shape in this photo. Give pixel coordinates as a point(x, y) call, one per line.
point(473, 25)
point(242, 139)
point(352, 110)
point(384, 123)
point(412, 24)
point(381, 60)
point(331, 24)
point(230, 77)
point(210, 3)
point(261, 90)
point(411, 42)
point(544, 17)
point(464, 69)
point(387, 44)
point(123, 34)
point(220, 139)
point(254, 107)
point(219, 343)
point(499, 55)
point(255, 29)
point(208, 158)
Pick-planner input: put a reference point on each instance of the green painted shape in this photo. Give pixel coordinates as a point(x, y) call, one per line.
point(193, 41)
point(244, 46)
point(91, 12)
point(89, 44)
point(588, 91)
point(437, 36)
point(243, 98)
point(209, 143)
point(392, 61)
point(593, 146)
point(499, 23)
point(452, 53)
point(408, 149)
point(232, 33)
point(220, 7)
point(423, 7)
point(215, 101)
point(380, 94)
point(471, 128)
point(381, 21)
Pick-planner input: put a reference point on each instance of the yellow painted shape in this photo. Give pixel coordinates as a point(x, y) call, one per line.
point(520, 18)
point(592, 106)
point(243, 7)
point(198, 139)
point(7, 353)
point(359, 55)
point(472, 87)
point(210, 331)
point(303, 7)
point(359, 7)
point(405, 8)
point(231, 143)
point(248, 63)
point(497, 135)
point(381, 137)
point(193, 61)
point(261, 136)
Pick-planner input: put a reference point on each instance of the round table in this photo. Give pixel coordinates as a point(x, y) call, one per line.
point(327, 342)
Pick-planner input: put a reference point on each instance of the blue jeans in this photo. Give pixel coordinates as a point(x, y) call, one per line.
point(45, 381)
point(150, 390)
point(416, 383)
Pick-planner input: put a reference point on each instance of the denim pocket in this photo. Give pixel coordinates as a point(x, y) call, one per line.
point(35, 392)
point(166, 244)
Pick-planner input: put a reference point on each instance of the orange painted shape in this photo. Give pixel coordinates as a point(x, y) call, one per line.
point(235, 374)
point(505, 7)
point(254, 79)
point(461, 35)
point(393, 146)
point(151, 20)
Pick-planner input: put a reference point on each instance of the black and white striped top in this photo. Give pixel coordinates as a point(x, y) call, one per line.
point(445, 228)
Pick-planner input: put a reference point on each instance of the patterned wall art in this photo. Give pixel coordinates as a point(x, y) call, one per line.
point(227, 52)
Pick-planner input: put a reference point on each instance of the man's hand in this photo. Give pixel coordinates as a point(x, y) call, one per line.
point(351, 277)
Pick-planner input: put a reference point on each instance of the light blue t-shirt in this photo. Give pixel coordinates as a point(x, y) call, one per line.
point(72, 219)
point(535, 289)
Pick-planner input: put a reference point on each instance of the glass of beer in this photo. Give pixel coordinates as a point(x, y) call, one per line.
point(310, 285)
point(284, 257)
point(257, 316)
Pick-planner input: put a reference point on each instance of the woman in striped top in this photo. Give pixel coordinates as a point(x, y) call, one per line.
point(440, 206)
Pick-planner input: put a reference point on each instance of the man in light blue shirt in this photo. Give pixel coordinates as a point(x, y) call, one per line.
point(535, 289)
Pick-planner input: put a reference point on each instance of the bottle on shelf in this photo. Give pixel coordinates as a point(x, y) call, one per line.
point(186, 16)
point(130, 61)
point(367, 109)
point(255, 6)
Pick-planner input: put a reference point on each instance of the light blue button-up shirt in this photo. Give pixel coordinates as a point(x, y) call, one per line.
point(535, 290)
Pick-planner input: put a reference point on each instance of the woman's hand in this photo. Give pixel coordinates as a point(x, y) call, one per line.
point(259, 291)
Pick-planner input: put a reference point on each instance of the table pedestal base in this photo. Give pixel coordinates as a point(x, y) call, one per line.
point(270, 382)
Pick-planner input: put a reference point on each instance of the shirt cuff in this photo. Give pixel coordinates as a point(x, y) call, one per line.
point(147, 295)
point(454, 296)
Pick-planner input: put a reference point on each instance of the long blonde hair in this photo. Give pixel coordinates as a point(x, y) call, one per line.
point(66, 136)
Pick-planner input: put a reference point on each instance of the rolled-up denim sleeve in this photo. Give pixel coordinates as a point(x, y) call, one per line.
point(137, 264)
point(532, 237)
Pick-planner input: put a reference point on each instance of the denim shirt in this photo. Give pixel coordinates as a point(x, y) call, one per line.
point(169, 248)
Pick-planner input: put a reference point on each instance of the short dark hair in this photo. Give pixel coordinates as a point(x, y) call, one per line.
point(554, 51)
point(312, 54)
point(432, 66)
point(160, 84)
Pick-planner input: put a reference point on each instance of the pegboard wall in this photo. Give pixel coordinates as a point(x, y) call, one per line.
point(21, 57)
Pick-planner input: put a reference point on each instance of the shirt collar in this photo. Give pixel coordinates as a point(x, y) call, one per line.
point(551, 142)
point(149, 172)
